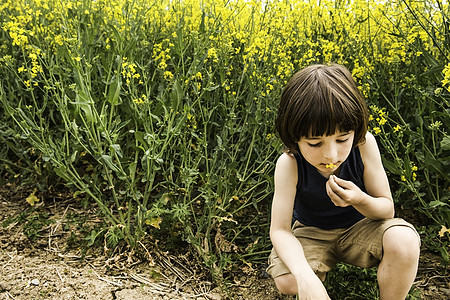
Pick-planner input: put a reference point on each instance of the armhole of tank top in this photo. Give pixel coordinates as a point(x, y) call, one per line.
point(359, 157)
point(298, 159)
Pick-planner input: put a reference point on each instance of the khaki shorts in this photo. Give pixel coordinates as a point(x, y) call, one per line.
point(360, 245)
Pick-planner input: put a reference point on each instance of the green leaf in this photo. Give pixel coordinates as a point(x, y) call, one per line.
point(435, 165)
point(74, 155)
point(219, 142)
point(114, 90)
point(176, 96)
point(139, 136)
point(83, 99)
point(211, 88)
point(117, 149)
point(437, 203)
point(62, 172)
point(109, 162)
point(390, 166)
point(445, 143)
point(132, 169)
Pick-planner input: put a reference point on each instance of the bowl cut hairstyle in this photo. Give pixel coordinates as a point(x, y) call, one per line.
point(320, 100)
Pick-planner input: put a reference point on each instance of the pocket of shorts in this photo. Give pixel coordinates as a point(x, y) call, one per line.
point(297, 224)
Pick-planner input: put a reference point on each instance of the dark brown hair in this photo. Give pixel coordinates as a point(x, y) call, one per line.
point(320, 100)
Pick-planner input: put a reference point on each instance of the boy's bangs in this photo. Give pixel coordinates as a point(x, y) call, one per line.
point(326, 120)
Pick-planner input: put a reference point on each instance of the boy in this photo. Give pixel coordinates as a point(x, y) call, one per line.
point(332, 202)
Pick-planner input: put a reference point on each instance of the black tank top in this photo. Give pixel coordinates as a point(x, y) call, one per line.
point(312, 205)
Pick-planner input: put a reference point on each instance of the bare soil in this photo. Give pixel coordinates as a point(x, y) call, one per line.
point(52, 267)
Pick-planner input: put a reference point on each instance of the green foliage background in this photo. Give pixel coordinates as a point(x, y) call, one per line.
point(161, 112)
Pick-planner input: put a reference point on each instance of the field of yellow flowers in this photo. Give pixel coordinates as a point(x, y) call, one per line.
point(161, 112)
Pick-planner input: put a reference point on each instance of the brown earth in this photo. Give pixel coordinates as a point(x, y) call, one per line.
point(48, 268)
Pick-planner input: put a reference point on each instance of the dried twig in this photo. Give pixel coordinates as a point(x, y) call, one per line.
point(12, 257)
point(109, 281)
point(52, 230)
point(72, 256)
point(423, 283)
point(149, 256)
point(60, 277)
point(182, 277)
point(159, 288)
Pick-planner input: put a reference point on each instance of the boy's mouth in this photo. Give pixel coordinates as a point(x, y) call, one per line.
point(330, 166)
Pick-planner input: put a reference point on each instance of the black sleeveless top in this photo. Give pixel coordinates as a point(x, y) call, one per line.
point(312, 205)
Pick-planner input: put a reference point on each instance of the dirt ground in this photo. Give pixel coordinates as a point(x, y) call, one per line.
point(47, 269)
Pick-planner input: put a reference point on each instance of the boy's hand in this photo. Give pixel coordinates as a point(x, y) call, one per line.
point(343, 193)
point(311, 288)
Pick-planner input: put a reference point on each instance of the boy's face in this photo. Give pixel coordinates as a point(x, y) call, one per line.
point(327, 153)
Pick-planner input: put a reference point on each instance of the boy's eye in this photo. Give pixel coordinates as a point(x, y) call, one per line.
point(315, 145)
point(342, 141)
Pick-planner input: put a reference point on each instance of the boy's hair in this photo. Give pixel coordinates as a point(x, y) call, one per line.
point(320, 100)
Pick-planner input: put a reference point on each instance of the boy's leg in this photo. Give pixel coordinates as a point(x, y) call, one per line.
point(398, 267)
point(286, 283)
point(318, 247)
point(392, 245)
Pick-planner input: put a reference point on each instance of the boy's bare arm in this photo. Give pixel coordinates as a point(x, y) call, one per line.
point(285, 243)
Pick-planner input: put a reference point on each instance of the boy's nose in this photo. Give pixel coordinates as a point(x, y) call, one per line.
point(330, 153)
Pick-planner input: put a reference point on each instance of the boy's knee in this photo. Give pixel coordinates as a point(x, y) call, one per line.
point(401, 242)
point(286, 284)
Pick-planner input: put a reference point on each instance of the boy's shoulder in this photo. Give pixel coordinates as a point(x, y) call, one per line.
point(369, 149)
point(286, 158)
point(370, 137)
point(286, 164)
point(286, 170)
point(369, 144)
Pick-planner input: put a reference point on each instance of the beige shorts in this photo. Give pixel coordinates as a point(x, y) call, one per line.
point(360, 245)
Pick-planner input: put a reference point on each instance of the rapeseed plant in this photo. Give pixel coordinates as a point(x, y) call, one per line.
point(177, 98)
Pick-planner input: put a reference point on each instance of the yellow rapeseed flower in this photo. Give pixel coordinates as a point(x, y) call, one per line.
point(59, 40)
point(381, 121)
point(168, 75)
point(443, 231)
point(212, 54)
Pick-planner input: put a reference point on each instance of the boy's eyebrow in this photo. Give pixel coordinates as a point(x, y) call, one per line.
point(319, 137)
point(345, 133)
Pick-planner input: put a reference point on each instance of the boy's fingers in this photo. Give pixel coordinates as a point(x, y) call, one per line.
point(341, 182)
point(335, 187)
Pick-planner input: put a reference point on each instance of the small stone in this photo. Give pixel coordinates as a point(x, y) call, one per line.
point(445, 291)
point(4, 286)
point(35, 282)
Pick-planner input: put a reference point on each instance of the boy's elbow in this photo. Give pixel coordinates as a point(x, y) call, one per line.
point(391, 209)
point(275, 232)
point(272, 233)
point(389, 212)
